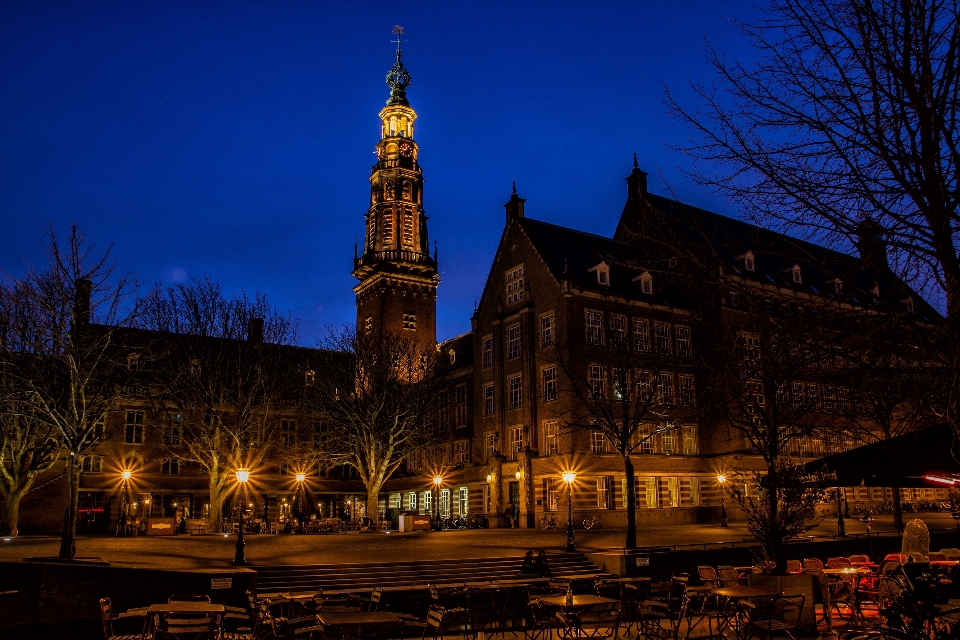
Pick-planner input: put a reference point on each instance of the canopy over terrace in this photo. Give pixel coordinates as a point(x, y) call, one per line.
point(923, 458)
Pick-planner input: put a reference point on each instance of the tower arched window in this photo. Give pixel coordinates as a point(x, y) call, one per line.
point(407, 191)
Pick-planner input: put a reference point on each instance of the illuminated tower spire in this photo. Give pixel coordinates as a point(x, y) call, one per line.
point(398, 278)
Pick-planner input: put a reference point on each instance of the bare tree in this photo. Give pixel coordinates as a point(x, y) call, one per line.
point(629, 390)
point(63, 350)
point(847, 130)
point(224, 379)
point(756, 385)
point(379, 395)
point(29, 447)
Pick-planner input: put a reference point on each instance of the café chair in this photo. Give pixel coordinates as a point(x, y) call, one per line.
point(779, 615)
point(794, 566)
point(838, 563)
point(813, 563)
point(107, 618)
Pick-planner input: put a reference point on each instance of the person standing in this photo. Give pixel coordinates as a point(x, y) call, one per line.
point(508, 514)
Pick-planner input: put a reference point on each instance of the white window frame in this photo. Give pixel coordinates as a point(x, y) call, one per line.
point(604, 490)
point(514, 343)
point(548, 382)
point(515, 384)
point(551, 438)
point(546, 330)
point(489, 400)
point(641, 335)
point(487, 351)
point(684, 346)
point(594, 327)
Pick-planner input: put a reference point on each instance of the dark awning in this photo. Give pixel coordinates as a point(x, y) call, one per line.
point(914, 459)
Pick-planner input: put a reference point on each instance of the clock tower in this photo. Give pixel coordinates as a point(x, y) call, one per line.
point(397, 292)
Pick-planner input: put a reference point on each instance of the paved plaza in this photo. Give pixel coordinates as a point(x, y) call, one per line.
point(186, 552)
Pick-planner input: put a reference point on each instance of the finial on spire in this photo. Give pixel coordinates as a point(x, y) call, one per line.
point(398, 78)
point(635, 165)
point(514, 187)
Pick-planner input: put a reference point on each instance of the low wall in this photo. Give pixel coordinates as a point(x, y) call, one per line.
point(51, 593)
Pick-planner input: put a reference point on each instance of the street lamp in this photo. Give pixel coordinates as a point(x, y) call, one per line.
point(569, 477)
point(242, 476)
point(722, 479)
point(866, 519)
point(122, 524)
point(437, 481)
point(841, 525)
point(300, 476)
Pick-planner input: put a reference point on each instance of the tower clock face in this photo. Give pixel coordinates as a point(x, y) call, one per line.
point(406, 149)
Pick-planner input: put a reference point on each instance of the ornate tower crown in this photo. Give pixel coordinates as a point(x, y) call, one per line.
point(398, 78)
point(397, 276)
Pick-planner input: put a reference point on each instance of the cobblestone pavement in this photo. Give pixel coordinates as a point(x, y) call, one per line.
point(216, 551)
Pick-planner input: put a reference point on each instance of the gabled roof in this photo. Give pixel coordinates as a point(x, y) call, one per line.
point(571, 255)
point(714, 236)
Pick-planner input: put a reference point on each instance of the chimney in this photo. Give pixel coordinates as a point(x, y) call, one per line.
point(515, 206)
point(871, 245)
point(255, 331)
point(636, 181)
point(81, 302)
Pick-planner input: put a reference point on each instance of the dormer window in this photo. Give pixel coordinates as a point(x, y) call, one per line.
point(748, 263)
point(603, 274)
point(875, 291)
point(907, 304)
point(837, 285)
point(795, 274)
point(646, 282)
point(132, 360)
point(309, 376)
point(453, 356)
point(672, 262)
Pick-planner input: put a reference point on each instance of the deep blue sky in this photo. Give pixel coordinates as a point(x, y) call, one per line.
point(235, 139)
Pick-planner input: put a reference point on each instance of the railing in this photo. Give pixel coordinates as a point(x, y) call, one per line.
point(750, 542)
point(395, 255)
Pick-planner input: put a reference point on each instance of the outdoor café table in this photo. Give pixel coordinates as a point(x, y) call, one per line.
point(359, 619)
point(580, 602)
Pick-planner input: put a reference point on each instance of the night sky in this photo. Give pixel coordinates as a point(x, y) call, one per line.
point(235, 139)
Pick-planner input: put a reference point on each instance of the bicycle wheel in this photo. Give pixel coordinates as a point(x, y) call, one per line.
point(876, 633)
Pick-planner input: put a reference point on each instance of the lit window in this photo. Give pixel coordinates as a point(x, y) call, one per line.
point(683, 342)
point(595, 381)
point(618, 331)
point(463, 500)
point(516, 392)
point(641, 335)
point(652, 499)
point(491, 443)
point(516, 442)
point(461, 409)
point(487, 352)
point(551, 434)
point(546, 331)
point(134, 427)
point(514, 285)
point(662, 331)
point(687, 392)
point(646, 282)
point(549, 382)
point(288, 434)
point(689, 440)
point(603, 491)
point(513, 342)
point(668, 443)
point(551, 490)
point(488, 406)
point(693, 497)
point(410, 321)
point(645, 438)
point(672, 492)
point(594, 328)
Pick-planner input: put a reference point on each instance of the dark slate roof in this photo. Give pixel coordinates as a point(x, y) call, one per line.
point(463, 346)
point(775, 254)
point(570, 254)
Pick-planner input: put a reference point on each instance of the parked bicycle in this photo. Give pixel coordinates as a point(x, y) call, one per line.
point(591, 522)
point(548, 522)
point(479, 522)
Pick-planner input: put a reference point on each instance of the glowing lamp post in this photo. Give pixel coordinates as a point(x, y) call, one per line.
point(722, 479)
point(569, 477)
point(238, 560)
point(437, 481)
point(300, 476)
point(126, 474)
point(866, 519)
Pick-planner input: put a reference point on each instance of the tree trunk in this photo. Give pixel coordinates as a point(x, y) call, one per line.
point(11, 514)
point(68, 540)
point(631, 541)
point(897, 511)
point(373, 495)
point(215, 519)
point(775, 535)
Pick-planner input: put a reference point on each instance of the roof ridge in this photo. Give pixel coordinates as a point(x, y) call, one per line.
point(577, 231)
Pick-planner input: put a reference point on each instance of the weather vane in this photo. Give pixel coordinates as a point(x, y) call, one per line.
point(397, 31)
